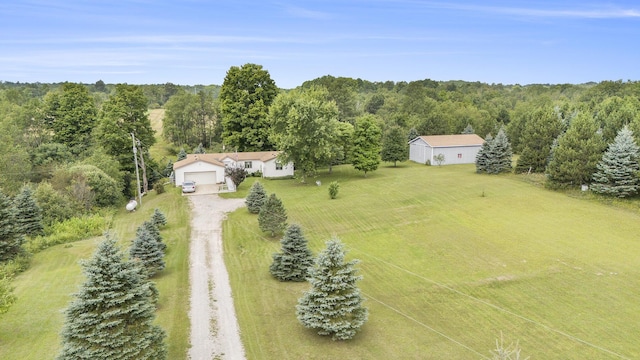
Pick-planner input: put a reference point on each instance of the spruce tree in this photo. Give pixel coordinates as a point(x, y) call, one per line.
point(10, 239)
point(499, 154)
point(468, 130)
point(28, 216)
point(273, 216)
point(576, 155)
point(148, 251)
point(158, 218)
point(413, 133)
point(112, 314)
point(482, 157)
point(333, 305)
point(153, 230)
point(617, 171)
point(182, 154)
point(256, 198)
point(394, 146)
point(199, 149)
point(293, 263)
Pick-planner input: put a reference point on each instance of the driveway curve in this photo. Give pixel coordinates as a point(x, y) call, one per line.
point(214, 328)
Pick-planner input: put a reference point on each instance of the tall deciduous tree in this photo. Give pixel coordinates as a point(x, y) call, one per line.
point(333, 305)
point(124, 113)
point(28, 216)
point(256, 197)
point(304, 127)
point(71, 113)
point(577, 153)
point(394, 146)
point(273, 216)
point(539, 132)
point(10, 239)
point(295, 259)
point(112, 314)
point(617, 173)
point(190, 119)
point(245, 97)
point(366, 144)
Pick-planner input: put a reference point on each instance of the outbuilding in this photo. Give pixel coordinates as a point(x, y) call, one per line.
point(456, 149)
point(209, 169)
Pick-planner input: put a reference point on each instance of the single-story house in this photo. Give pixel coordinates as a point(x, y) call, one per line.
point(457, 149)
point(208, 169)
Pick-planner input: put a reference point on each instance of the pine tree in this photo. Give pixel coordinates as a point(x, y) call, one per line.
point(272, 216)
point(576, 155)
point(28, 216)
point(154, 231)
point(293, 263)
point(468, 130)
point(617, 171)
point(256, 198)
point(112, 314)
point(482, 157)
point(394, 146)
point(199, 149)
point(413, 133)
point(182, 154)
point(499, 154)
point(333, 305)
point(148, 251)
point(10, 239)
point(158, 218)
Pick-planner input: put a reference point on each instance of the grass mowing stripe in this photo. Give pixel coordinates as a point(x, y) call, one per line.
point(424, 325)
point(574, 338)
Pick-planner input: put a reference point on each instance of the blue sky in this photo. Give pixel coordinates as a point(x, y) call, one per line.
point(195, 42)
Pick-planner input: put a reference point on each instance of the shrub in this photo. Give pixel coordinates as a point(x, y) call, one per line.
point(74, 229)
point(159, 186)
point(333, 189)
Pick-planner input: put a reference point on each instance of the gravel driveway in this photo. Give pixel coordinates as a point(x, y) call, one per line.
point(214, 327)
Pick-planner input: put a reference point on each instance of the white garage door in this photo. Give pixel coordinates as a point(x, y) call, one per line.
point(201, 178)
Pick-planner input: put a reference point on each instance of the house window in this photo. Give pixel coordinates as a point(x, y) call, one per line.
point(459, 156)
point(278, 165)
point(248, 165)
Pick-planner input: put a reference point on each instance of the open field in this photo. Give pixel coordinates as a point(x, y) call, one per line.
point(30, 330)
point(450, 260)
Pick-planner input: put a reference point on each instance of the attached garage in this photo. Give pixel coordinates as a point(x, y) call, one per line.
point(201, 178)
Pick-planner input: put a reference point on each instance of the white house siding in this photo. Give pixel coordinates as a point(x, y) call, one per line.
point(269, 169)
point(418, 151)
point(200, 167)
point(456, 154)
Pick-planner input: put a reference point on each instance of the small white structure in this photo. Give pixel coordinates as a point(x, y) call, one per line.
point(208, 169)
point(457, 149)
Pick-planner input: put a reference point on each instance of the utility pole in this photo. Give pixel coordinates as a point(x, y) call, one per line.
point(135, 160)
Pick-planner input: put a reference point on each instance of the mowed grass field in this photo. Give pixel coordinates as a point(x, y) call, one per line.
point(451, 260)
point(31, 328)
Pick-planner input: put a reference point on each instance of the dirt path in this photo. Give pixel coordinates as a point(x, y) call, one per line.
point(214, 327)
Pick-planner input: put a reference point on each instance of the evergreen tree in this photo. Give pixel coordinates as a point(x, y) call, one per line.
point(112, 314)
point(482, 157)
point(256, 198)
point(394, 146)
point(166, 172)
point(10, 239)
point(617, 171)
point(333, 305)
point(538, 135)
point(468, 130)
point(28, 216)
point(182, 154)
point(366, 144)
point(499, 154)
point(158, 218)
point(413, 133)
point(148, 251)
point(154, 231)
point(293, 263)
point(272, 216)
point(199, 149)
point(576, 154)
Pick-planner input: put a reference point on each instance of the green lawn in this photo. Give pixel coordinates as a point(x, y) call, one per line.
point(30, 330)
point(450, 260)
